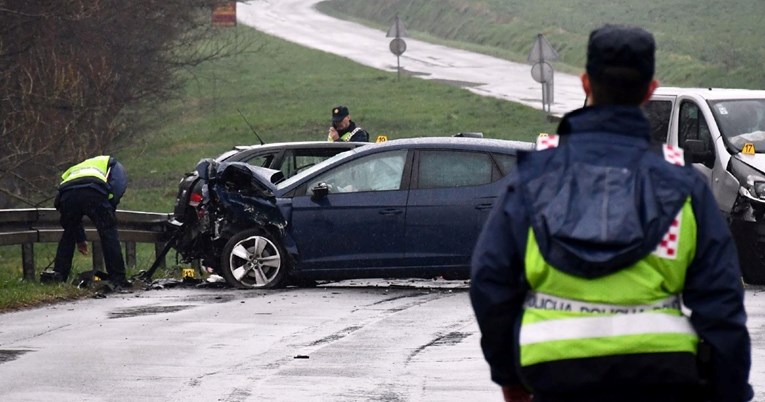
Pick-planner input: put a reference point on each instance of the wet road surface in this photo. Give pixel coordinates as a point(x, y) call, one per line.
point(412, 341)
point(321, 344)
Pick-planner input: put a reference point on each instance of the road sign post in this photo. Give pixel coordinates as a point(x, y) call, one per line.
point(541, 71)
point(397, 45)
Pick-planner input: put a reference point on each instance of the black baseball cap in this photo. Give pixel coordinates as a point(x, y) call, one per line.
point(339, 113)
point(621, 46)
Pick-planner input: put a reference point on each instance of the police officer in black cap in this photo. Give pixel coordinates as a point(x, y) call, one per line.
point(343, 128)
point(586, 260)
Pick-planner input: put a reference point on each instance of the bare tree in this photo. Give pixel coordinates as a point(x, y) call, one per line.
point(69, 68)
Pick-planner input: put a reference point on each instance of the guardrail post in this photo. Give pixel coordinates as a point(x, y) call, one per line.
point(28, 261)
point(158, 247)
point(130, 254)
point(98, 256)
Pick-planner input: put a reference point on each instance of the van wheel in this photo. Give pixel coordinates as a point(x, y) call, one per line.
point(254, 259)
point(750, 244)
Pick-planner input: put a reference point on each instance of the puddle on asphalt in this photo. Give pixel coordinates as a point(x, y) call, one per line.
point(10, 355)
point(147, 310)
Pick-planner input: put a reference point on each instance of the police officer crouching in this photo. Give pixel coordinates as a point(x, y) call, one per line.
point(92, 188)
point(580, 271)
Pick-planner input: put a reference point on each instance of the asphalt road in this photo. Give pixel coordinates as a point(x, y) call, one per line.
point(298, 21)
point(388, 341)
point(185, 344)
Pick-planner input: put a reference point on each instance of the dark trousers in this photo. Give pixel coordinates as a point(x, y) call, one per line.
point(73, 205)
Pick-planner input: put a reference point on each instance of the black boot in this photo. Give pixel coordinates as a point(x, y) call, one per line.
point(51, 277)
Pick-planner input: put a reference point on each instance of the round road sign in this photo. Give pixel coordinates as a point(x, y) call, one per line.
point(398, 46)
point(541, 72)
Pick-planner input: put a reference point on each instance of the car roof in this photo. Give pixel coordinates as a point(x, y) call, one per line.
point(455, 142)
point(300, 144)
point(712, 93)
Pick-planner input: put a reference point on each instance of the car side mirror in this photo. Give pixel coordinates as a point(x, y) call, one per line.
point(699, 152)
point(320, 191)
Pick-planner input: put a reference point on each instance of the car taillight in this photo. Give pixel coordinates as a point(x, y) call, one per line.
point(195, 199)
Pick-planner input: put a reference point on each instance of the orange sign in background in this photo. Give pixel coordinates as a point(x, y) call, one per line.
point(224, 14)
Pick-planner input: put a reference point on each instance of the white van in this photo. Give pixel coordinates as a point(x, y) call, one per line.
point(723, 134)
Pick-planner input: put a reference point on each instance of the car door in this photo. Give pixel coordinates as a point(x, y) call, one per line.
point(360, 223)
point(692, 126)
point(451, 195)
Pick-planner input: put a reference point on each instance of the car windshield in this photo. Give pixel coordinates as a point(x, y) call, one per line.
point(318, 166)
point(742, 122)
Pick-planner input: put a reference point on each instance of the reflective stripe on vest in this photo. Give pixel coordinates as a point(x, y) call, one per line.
point(606, 327)
point(97, 167)
point(633, 310)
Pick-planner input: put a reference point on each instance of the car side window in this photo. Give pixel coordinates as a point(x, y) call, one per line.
point(295, 161)
point(377, 172)
point(443, 169)
point(262, 160)
point(305, 158)
point(659, 113)
point(693, 126)
point(693, 132)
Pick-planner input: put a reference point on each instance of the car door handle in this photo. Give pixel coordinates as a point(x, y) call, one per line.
point(483, 207)
point(391, 211)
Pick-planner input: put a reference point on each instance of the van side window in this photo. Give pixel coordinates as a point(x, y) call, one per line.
point(658, 113)
point(693, 126)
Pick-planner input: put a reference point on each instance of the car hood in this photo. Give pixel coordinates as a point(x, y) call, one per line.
point(756, 161)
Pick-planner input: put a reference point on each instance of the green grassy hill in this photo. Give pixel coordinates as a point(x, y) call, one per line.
point(700, 42)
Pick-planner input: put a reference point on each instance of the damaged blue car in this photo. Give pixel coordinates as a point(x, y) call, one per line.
point(403, 208)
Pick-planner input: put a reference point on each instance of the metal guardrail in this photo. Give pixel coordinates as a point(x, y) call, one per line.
point(26, 227)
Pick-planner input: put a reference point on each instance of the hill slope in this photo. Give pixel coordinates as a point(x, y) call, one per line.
point(700, 42)
point(287, 92)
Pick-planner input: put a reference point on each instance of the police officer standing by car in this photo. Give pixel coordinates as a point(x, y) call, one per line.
point(92, 188)
point(345, 129)
point(582, 268)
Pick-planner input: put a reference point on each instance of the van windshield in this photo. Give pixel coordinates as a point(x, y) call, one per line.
point(742, 122)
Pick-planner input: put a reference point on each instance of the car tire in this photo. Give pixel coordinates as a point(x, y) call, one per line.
point(751, 251)
point(254, 259)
